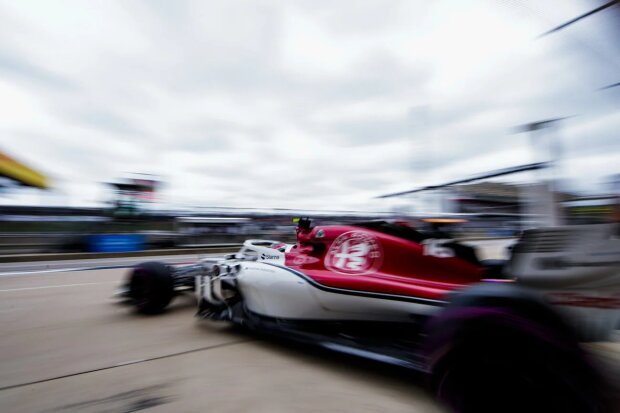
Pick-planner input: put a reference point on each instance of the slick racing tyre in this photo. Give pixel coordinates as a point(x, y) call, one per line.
point(495, 348)
point(504, 370)
point(151, 287)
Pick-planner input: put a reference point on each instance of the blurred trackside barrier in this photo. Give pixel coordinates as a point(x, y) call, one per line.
point(219, 248)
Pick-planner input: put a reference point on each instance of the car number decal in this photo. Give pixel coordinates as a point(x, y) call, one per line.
point(354, 252)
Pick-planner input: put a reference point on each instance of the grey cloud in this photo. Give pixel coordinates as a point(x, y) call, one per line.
point(60, 158)
point(363, 132)
point(212, 134)
point(207, 140)
point(20, 68)
point(104, 119)
point(368, 16)
point(151, 96)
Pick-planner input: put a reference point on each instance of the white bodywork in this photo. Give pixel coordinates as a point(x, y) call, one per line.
point(273, 290)
point(262, 250)
point(576, 268)
point(278, 292)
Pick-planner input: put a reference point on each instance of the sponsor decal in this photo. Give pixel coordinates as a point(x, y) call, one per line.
point(560, 263)
point(262, 269)
point(299, 260)
point(436, 248)
point(266, 256)
point(354, 252)
point(584, 300)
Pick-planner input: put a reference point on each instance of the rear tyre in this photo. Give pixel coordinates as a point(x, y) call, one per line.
point(151, 287)
point(510, 371)
point(496, 347)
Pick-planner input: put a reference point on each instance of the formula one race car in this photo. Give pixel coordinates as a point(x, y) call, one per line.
point(506, 341)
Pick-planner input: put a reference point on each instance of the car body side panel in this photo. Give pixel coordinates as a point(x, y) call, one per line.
point(276, 291)
point(361, 259)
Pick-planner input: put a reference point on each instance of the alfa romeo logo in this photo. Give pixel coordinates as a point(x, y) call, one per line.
point(354, 253)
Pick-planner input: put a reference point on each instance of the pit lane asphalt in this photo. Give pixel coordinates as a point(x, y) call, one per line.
point(65, 347)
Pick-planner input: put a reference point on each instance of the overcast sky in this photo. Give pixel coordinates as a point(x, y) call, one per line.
point(300, 104)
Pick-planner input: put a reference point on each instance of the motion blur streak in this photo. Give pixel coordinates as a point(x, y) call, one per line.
point(450, 165)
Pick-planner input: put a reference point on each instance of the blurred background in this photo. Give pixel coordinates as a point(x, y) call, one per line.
point(179, 129)
point(191, 123)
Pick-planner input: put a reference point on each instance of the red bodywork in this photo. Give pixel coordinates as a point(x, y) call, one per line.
point(361, 259)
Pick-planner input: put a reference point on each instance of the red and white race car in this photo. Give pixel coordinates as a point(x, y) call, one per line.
point(506, 341)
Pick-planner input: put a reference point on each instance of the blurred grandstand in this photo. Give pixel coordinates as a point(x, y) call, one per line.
point(485, 209)
point(128, 222)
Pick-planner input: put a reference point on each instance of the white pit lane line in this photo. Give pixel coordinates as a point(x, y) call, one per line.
point(98, 264)
point(78, 269)
point(43, 287)
point(71, 269)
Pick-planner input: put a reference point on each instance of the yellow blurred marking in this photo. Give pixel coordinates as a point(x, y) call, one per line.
point(21, 173)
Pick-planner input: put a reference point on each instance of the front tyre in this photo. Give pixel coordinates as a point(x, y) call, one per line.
point(151, 287)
